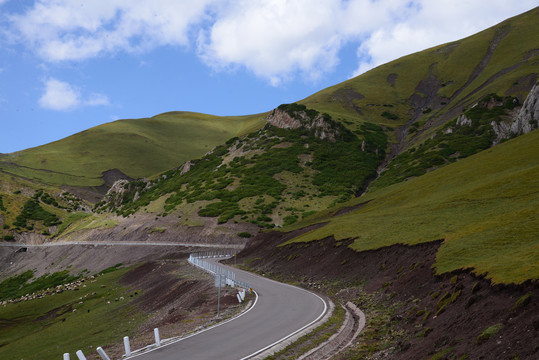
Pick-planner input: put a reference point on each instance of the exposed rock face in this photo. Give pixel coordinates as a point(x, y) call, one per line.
point(116, 191)
point(323, 129)
point(185, 167)
point(118, 187)
point(526, 120)
point(528, 117)
point(464, 120)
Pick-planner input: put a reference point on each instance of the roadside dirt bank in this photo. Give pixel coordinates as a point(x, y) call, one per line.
point(178, 299)
point(175, 297)
point(455, 315)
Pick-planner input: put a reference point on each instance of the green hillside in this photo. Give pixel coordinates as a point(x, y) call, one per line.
point(270, 177)
point(484, 207)
point(431, 87)
point(29, 206)
point(137, 147)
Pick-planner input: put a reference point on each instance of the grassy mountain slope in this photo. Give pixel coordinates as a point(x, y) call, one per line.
point(138, 148)
point(271, 177)
point(433, 86)
point(484, 207)
point(29, 206)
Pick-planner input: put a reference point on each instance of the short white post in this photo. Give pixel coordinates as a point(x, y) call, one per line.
point(157, 339)
point(127, 346)
point(239, 298)
point(80, 355)
point(242, 294)
point(66, 356)
point(102, 353)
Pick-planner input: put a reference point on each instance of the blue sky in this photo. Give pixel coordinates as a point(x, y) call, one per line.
point(67, 65)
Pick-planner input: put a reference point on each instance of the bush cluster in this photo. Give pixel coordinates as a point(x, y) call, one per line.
point(33, 211)
point(341, 169)
point(447, 147)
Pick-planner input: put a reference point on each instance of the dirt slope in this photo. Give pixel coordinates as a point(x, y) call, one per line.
point(429, 315)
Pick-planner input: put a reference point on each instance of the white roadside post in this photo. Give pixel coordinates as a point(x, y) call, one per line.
point(239, 298)
point(80, 355)
point(127, 346)
point(157, 338)
point(102, 353)
point(66, 356)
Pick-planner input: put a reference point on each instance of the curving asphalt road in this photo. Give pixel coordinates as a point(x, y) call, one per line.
point(280, 310)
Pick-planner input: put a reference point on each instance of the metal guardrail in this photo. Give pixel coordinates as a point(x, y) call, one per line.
point(196, 259)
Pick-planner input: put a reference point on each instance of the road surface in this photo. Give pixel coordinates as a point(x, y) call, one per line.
point(123, 243)
point(280, 311)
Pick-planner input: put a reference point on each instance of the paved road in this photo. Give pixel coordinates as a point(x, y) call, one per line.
point(125, 243)
point(279, 311)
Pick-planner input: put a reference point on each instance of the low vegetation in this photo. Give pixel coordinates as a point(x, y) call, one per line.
point(484, 207)
point(137, 147)
point(21, 285)
point(258, 177)
point(454, 141)
point(89, 317)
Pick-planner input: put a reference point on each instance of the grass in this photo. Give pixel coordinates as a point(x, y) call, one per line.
point(446, 147)
point(66, 322)
point(372, 96)
point(20, 285)
point(489, 332)
point(485, 207)
point(83, 221)
point(253, 177)
point(137, 147)
point(313, 339)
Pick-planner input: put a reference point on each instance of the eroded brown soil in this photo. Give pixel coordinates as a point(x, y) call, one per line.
point(439, 315)
point(177, 298)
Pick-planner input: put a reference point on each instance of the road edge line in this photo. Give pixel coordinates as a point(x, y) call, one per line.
point(174, 341)
point(270, 347)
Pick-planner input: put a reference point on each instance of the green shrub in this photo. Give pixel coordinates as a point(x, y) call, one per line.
point(522, 301)
point(33, 211)
point(290, 219)
point(244, 234)
point(389, 115)
point(488, 333)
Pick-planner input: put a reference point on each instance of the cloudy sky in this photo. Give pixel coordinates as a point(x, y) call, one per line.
point(67, 65)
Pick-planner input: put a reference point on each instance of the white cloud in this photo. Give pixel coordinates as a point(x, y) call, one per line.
point(274, 39)
point(431, 23)
point(70, 30)
point(60, 95)
point(97, 100)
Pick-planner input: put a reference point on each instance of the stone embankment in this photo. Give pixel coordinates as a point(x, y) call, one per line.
point(354, 322)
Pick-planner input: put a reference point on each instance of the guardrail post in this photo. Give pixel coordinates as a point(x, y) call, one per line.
point(66, 356)
point(127, 346)
point(80, 355)
point(102, 353)
point(157, 339)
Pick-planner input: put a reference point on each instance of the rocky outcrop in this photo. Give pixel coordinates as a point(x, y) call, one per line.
point(322, 126)
point(528, 117)
point(185, 168)
point(463, 120)
point(525, 121)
